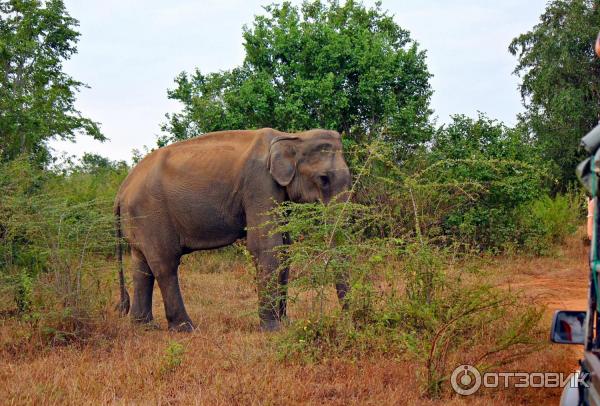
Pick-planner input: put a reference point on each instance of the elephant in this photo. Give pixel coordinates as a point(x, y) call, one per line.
point(207, 192)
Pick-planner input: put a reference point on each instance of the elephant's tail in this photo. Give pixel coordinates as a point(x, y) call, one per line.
point(123, 306)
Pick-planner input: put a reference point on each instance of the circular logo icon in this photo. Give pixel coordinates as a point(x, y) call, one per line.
point(465, 380)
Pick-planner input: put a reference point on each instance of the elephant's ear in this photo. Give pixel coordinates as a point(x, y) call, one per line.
point(282, 159)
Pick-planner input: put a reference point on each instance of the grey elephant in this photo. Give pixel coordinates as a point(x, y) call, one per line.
point(209, 191)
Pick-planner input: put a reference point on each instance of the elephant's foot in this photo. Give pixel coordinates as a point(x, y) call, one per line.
point(269, 325)
point(185, 326)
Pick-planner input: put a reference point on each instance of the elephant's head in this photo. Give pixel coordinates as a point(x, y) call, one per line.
point(310, 165)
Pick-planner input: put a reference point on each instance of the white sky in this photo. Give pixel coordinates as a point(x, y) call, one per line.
point(131, 50)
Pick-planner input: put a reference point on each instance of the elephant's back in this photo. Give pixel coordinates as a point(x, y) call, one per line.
point(193, 187)
point(219, 155)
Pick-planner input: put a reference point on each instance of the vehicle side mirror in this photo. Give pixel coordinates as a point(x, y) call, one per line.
point(568, 327)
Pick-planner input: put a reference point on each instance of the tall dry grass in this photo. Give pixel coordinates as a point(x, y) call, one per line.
point(228, 361)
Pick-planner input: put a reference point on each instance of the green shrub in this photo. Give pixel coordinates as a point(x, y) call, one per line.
point(58, 235)
point(411, 308)
point(172, 358)
point(504, 169)
point(546, 222)
point(466, 189)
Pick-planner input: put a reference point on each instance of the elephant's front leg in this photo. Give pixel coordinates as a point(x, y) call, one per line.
point(271, 295)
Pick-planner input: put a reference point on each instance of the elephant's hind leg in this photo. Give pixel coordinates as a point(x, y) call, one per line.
point(168, 282)
point(143, 285)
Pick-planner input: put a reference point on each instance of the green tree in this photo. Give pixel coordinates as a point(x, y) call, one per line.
point(560, 80)
point(94, 163)
point(322, 64)
point(37, 99)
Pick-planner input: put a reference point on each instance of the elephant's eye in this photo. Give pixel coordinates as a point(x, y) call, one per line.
point(324, 181)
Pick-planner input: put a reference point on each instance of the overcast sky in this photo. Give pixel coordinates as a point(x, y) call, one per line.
point(130, 51)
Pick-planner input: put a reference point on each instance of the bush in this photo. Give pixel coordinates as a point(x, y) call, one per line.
point(402, 301)
point(172, 358)
point(505, 168)
point(58, 232)
point(546, 222)
point(469, 190)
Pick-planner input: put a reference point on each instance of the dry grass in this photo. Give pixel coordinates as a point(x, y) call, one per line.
point(228, 361)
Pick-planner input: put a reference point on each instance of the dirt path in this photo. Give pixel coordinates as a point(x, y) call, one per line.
point(559, 281)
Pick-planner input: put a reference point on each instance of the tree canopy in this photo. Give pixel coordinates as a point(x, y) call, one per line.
point(37, 99)
point(560, 80)
point(321, 64)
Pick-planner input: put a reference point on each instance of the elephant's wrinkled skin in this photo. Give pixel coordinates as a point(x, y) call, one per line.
point(205, 193)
